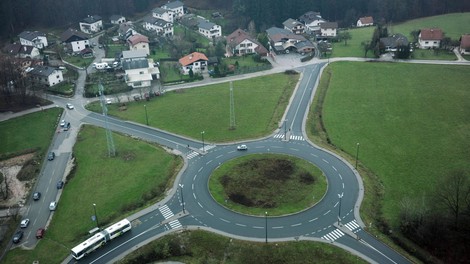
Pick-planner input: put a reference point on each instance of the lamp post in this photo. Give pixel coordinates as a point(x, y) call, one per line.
point(96, 216)
point(285, 129)
point(357, 154)
point(340, 196)
point(266, 225)
point(202, 135)
point(182, 199)
point(146, 116)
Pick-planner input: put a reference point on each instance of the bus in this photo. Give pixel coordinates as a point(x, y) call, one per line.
point(101, 238)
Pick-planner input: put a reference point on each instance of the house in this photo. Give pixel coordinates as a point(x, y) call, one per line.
point(191, 21)
point(430, 38)
point(162, 27)
point(117, 19)
point(33, 38)
point(365, 21)
point(465, 44)
point(391, 43)
point(195, 61)
point(126, 30)
point(176, 6)
point(294, 26)
point(45, 75)
point(328, 29)
point(164, 14)
point(75, 40)
point(312, 21)
point(139, 42)
point(139, 71)
point(91, 24)
point(209, 29)
point(240, 43)
point(283, 41)
point(21, 51)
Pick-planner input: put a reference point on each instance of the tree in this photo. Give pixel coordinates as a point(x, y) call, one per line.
point(453, 193)
point(344, 36)
point(191, 73)
point(403, 52)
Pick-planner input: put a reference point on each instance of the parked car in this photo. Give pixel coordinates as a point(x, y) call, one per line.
point(36, 196)
point(24, 223)
point(108, 101)
point(62, 123)
point(40, 233)
point(242, 147)
point(60, 184)
point(53, 205)
point(17, 236)
point(51, 155)
point(70, 106)
point(67, 127)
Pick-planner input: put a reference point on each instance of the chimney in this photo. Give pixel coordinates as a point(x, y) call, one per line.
point(190, 56)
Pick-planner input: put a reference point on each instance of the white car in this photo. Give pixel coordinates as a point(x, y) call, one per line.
point(69, 106)
point(53, 206)
point(24, 223)
point(242, 147)
point(62, 123)
point(108, 101)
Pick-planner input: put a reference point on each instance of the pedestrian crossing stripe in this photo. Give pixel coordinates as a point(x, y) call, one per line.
point(353, 225)
point(291, 137)
point(193, 154)
point(333, 235)
point(175, 224)
point(166, 212)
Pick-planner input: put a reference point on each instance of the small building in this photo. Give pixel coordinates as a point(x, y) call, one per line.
point(139, 71)
point(45, 75)
point(139, 42)
point(176, 6)
point(328, 29)
point(196, 61)
point(391, 43)
point(283, 41)
point(365, 21)
point(126, 30)
point(240, 43)
point(465, 44)
point(33, 38)
point(21, 51)
point(430, 38)
point(162, 27)
point(164, 14)
point(209, 30)
point(312, 21)
point(91, 24)
point(117, 19)
point(294, 26)
point(75, 40)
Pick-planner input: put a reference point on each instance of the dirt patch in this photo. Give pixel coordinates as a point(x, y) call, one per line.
point(17, 190)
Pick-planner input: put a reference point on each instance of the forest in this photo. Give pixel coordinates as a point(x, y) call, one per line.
point(20, 15)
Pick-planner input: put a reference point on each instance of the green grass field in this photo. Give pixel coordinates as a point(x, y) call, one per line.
point(191, 111)
point(354, 47)
point(137, 176)
point(412, 123)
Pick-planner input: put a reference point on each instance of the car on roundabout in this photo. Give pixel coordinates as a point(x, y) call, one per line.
point(242, 147)
point(53, 205)
point(24, 223)
point(69, 106)
point(62, 123)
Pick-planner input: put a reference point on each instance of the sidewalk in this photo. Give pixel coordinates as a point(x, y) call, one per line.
point(9, 115)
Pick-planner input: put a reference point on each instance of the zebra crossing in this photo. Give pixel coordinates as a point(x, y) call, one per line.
point(333, 235)
point(353, 226)
point(167, 213)
point(175, 224)
point(193, 154)
point(291, 137)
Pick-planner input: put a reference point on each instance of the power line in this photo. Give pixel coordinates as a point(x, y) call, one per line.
point(109, 135)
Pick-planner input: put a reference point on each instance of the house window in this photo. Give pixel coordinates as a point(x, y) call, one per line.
point(141, 72)
point(249, 44)
point(57, 76)
point(426, 42)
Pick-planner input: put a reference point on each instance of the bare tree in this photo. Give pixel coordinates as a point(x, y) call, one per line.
point(454, 194)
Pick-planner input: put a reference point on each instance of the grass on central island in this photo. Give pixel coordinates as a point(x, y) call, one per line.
point(273, 183)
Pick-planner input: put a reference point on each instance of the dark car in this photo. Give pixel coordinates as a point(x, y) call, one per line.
point(40, 233)
point(67, 127)
point(17, 236)
point(51, 156)
point(60, 184)
point(36, 196)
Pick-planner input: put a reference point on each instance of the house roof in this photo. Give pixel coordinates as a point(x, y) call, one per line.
point(124, 27)
point(191, 58)
point(130, 54)
point(134, 63)
point(160, 11)
point(394, 41)
point(465, 41)
point(278, 34)
point(115, 17)
point(431, 34)
point(310, 16)
point(73, 33)
point(91, 19)
point(173, 5)
point(17, 48)
point(366, 20)
point(291, 23)
point(156, 21)
point(326, 25)
point(304, 45)
point(239, 35)
point(137, 38)
point(31, 35)
point(206, 25)
point(41, 70)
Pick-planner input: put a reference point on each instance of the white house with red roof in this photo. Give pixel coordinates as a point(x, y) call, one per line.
point(465, 44)
point(139, 42)
point(196, 61)
point(240, 43)
point(430, 38)
point(365, 21)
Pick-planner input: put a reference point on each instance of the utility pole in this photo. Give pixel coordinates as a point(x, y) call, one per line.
point(109, 135)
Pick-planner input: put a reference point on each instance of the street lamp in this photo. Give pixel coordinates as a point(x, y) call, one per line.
point(357, 153)
point(266, 225)
point(146, 116)
point(202, 135)
point(96, 216)
point(182, 199)
point(339, 211)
